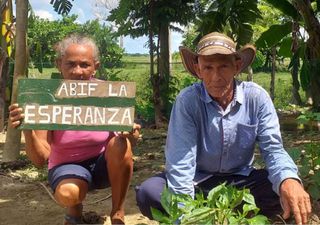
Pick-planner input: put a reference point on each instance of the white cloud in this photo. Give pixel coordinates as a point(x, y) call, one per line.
point(44, 14)
point(176, 39)
point(80, 13)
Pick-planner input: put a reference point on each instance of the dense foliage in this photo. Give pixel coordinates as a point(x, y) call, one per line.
point(224, 205)
point(110, 52)
point(43, 34)
point(301, 16)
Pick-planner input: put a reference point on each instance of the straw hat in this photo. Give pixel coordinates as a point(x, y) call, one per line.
point(216, 43)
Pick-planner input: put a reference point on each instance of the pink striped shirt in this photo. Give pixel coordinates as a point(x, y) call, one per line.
point(76, 146)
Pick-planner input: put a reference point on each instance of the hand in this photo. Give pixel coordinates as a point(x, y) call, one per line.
point(134, 135)
point(294, 198)
point(15, 115)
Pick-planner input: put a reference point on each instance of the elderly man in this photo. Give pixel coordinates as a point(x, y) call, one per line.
point(81, 160)
point(213, 129)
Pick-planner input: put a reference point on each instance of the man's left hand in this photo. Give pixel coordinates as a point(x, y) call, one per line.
point(296, 200)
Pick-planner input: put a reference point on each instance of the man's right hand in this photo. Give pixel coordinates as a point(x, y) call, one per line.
point(15, 115)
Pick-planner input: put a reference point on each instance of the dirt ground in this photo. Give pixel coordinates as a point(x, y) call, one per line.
point(25, 198)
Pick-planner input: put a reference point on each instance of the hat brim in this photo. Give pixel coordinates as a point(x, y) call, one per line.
point(189, 58)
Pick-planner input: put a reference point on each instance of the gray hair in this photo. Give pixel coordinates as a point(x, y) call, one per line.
point(79, 39)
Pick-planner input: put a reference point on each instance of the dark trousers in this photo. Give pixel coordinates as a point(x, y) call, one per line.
point(149, 192)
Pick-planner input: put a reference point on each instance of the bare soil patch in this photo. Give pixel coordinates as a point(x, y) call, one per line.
point(24, 197)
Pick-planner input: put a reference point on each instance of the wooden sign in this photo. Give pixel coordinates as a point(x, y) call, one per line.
point(57, 104)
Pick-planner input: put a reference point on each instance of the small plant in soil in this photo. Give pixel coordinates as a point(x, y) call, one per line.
point(308, 161)
point(224, 205)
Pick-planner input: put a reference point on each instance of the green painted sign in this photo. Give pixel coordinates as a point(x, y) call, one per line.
point(58, 104)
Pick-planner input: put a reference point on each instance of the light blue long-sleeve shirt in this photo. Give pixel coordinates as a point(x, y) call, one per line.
point(205, 139)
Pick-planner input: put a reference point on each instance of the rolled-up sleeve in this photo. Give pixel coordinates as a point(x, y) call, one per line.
point(278, 162)
point(181, 148)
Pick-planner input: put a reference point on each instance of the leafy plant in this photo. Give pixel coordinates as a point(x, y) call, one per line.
point(224, 205)
point(258, 62)
point(307, 116)
point(61, 6)
point(308, 161)
point(308, 158)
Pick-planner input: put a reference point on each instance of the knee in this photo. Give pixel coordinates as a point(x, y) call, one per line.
point(149, 191)
point(143, 194)
point(119, 149)
point(68, 194)
point(148, 195)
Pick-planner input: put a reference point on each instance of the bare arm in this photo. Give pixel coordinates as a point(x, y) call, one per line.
point(38, 146)
point(37, 141)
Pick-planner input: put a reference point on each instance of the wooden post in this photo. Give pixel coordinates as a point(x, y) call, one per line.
point(4, 63)
point(273, 73)
point(13, 138)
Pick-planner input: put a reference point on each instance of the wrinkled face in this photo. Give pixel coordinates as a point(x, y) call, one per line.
point(78, 63)
point(217, 73)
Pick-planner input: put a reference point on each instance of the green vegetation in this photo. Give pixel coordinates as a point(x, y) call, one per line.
point(44, 34)
point(33, 72)
point(136, 58)
point(307, 158)
point(283, 87)
point(223, 205)
point(136, 68)
point(277, 36)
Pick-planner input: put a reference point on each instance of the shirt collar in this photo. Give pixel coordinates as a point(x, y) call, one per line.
point(238, 95)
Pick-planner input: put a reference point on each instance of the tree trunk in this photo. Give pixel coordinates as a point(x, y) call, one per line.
point(273, 73)
point(4, 69)
point(164, 70)
point(4, 75)
point(13, 138)
point(154, 76)
point(296, 99)
point(266, 63)
point(156, 86)
point(169, 49)
point(312, 26)
point(2, 78)
point(250, 74)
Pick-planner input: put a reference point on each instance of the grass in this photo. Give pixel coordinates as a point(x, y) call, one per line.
point(46, 74)
point(283, 87)
point(136, 59)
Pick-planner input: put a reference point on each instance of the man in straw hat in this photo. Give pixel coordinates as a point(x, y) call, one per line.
point(213, 129)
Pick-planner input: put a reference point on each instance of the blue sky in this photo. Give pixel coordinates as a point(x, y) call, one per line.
point(86, 11)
